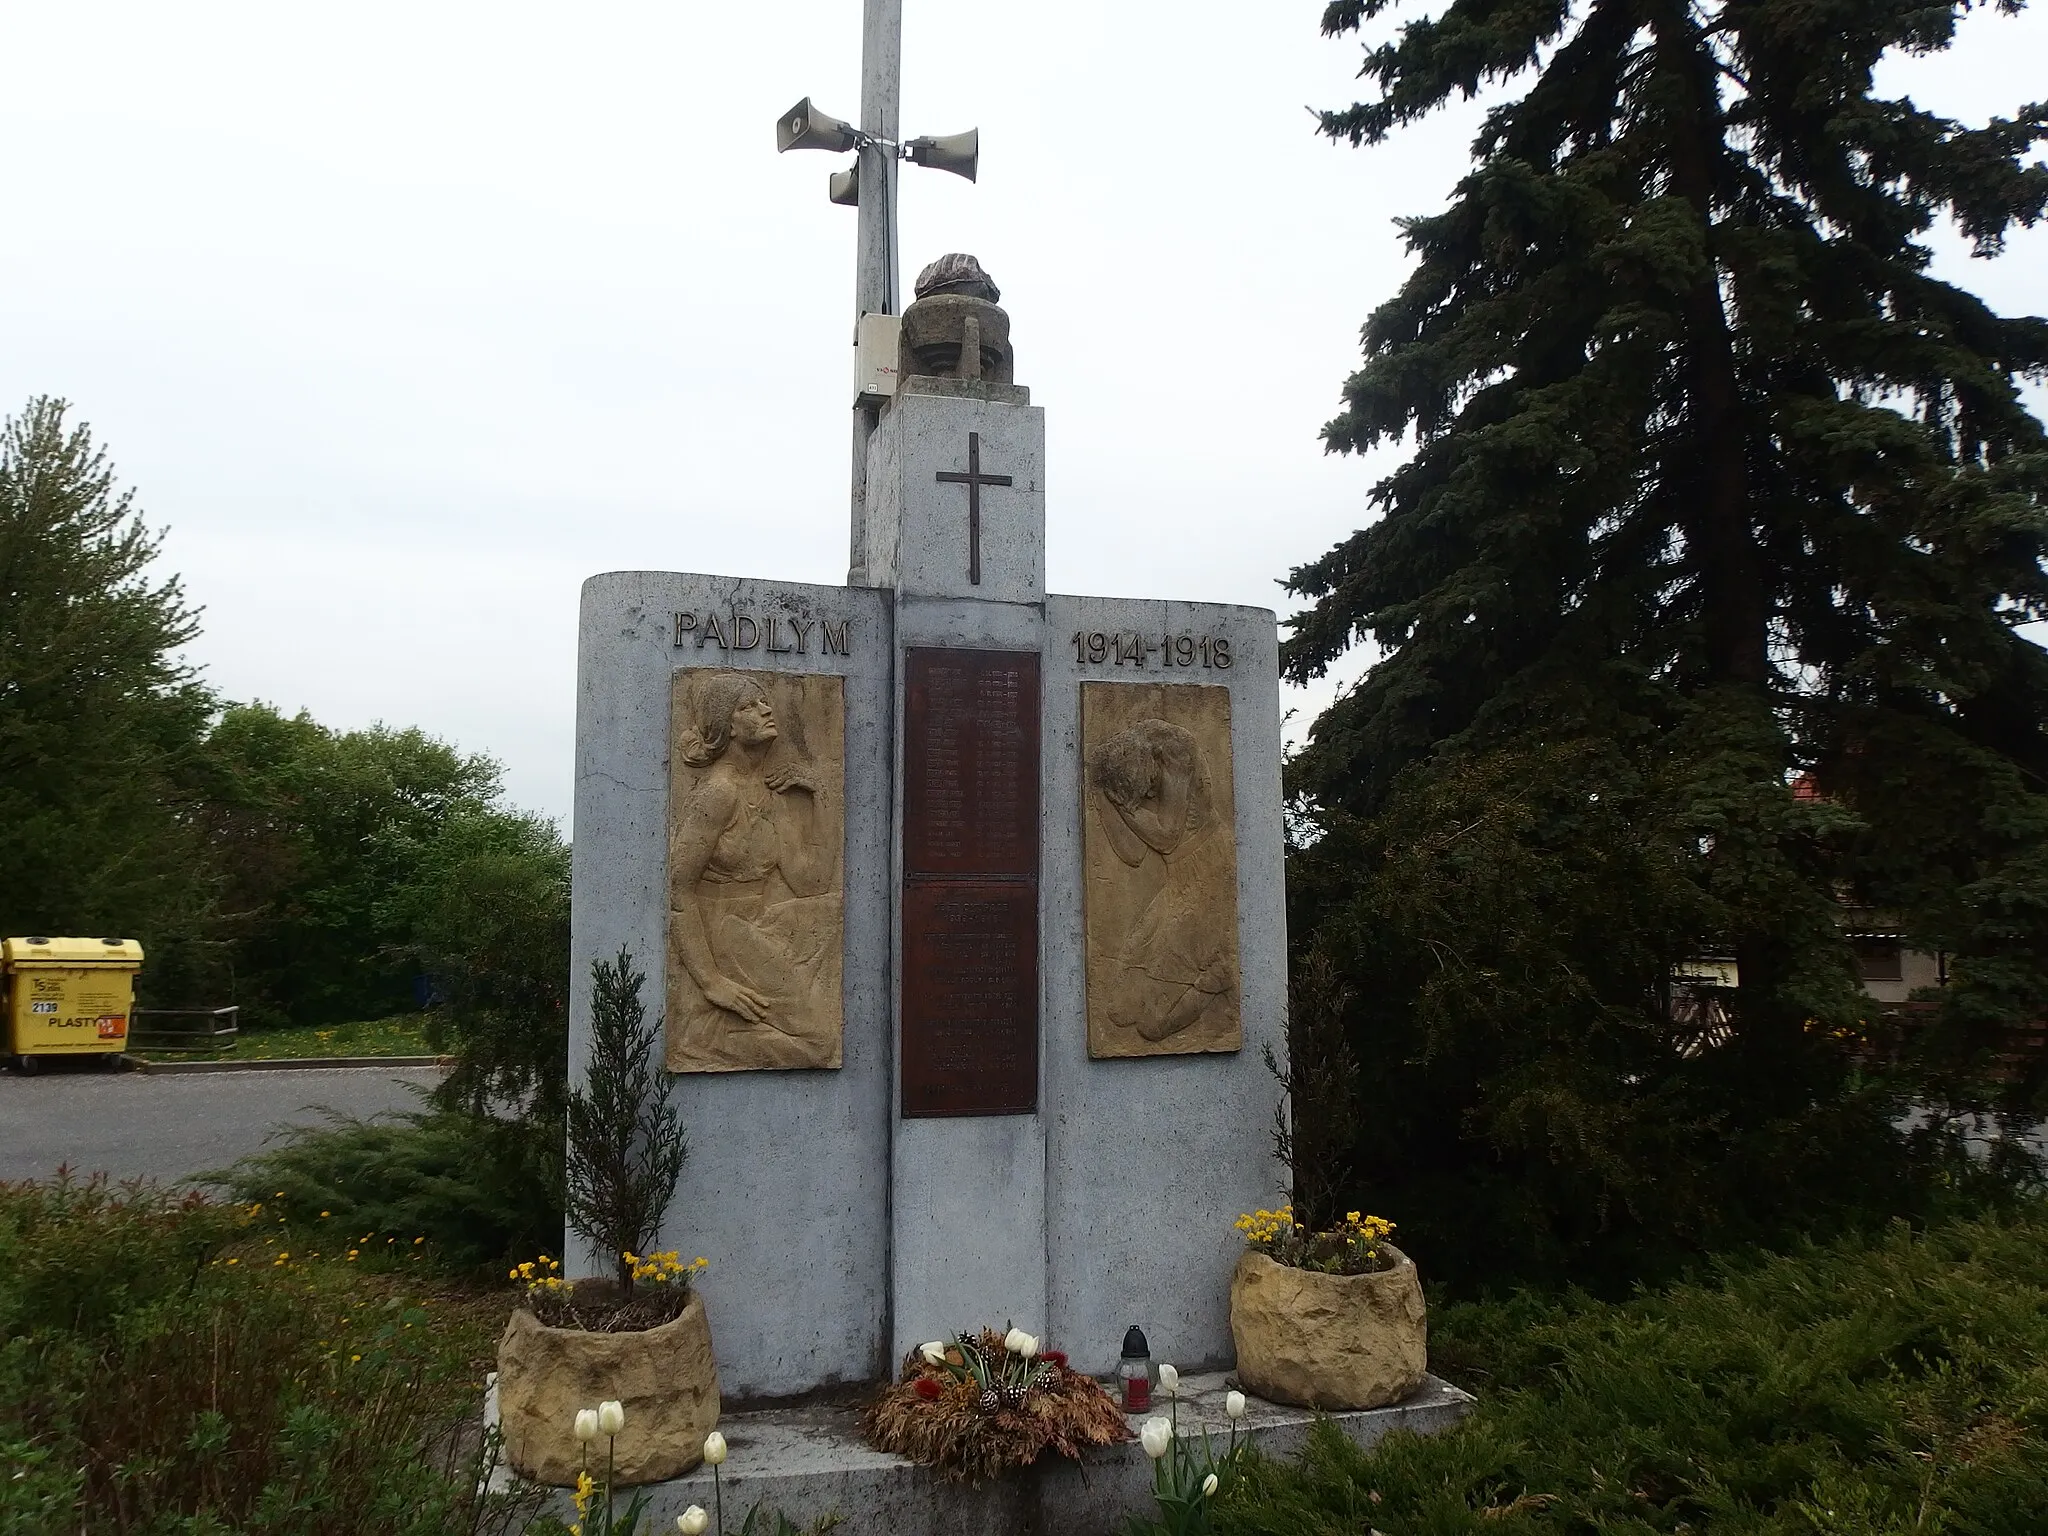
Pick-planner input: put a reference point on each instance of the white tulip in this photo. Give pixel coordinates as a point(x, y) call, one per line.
point(1169, 1380)
point(934, 1353)
point(1013, 1341)
point(586, 1424)
point(1027, 1345)
point(611, 1416)
point(1234, 1405)
point(1156, 1436)
point(1209, 1486)
point(693, 1521)
point(714, 1448)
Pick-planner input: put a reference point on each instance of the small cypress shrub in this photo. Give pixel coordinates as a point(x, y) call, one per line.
point(626, 1142)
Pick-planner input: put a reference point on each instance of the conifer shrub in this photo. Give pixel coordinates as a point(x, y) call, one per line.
point(1874, 1385)
point(626, 1142)
point(481, 1189)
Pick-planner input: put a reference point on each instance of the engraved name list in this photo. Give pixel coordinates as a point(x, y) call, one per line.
point(970, 890)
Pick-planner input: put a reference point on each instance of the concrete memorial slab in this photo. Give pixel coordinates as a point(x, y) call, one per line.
point(787, 1180)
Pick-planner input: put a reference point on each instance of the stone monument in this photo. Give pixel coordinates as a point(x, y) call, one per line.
point(965, 900)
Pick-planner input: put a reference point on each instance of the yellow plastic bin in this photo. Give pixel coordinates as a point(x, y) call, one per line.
point(68, 997)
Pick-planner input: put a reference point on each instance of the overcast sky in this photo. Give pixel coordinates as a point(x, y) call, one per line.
point(404, 319)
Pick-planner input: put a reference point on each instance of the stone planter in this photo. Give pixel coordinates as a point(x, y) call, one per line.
point(1328, 1341)
point(664, 1377)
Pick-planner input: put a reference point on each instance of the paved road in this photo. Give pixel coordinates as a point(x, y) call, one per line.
point(166, 1126)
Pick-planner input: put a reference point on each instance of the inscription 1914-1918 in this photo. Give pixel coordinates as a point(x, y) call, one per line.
point(970, 893)
point(1131, 648)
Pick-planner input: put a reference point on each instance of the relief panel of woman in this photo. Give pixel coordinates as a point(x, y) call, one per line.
point(756, 827)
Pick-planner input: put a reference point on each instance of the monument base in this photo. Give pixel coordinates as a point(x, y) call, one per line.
point(809, 1462)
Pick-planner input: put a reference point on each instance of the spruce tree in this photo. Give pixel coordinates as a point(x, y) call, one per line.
point(1698, 608)
point(100, 718)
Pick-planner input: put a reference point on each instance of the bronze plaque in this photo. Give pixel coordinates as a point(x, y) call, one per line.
point(970, 997)
point(970, 884)
point(970, 763)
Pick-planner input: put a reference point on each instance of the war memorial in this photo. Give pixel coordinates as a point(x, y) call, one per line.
point(964, 905)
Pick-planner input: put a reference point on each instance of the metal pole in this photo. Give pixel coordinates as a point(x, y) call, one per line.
point(881, 57)
point(881, 64)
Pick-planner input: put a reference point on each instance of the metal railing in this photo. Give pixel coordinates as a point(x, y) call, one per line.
point(211, 1030)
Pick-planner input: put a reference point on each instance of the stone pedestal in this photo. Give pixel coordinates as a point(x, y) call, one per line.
point(809, 1462)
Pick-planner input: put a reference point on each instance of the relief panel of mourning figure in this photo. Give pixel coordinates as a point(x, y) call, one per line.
point(1159, 870)
point(757, 772)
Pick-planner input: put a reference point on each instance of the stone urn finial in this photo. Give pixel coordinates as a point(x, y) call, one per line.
point(958, 272)
point(956, 330)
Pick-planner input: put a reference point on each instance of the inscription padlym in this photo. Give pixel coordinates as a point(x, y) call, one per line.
point(780, 634)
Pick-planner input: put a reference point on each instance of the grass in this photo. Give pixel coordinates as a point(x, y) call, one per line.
point(1869, 1387)
point(403, 1035)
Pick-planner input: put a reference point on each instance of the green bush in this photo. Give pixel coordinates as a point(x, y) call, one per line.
point(480, 1172)
point(487, 911)
point(483, 1191)
point(312, 831)
point(1868, 1387)
point(170, 1369)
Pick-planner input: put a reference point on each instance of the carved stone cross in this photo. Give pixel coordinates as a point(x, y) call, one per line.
point(974, 480)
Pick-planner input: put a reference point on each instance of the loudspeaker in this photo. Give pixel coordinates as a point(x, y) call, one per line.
point(955, 152)
point(804, 127)
point(844, 187)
